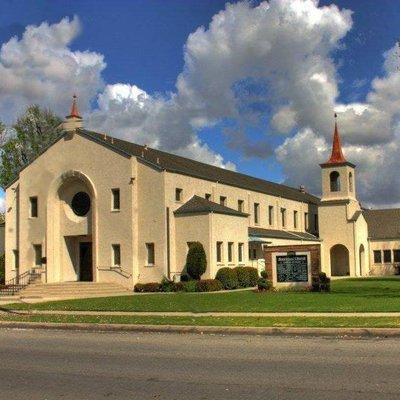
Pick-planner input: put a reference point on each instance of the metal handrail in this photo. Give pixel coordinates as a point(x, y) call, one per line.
point(14, 285)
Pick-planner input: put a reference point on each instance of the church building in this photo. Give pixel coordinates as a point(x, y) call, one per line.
point(92, 207)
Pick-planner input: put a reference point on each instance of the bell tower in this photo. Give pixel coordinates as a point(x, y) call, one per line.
point(73, 120)
point(338, 175)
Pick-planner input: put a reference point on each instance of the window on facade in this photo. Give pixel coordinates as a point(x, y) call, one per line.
point(116, 199)
point(208, 196)
point(34, 207)
point(387, 256)
point(271, 215)
point(230, 252)
point(80, 204)
point(219, 252)
point(38, 254)
point(178, 194)
point(295, 217)
point(335, 181)
point(377, 257)
point(222, 200)
point(256, 213)
point(151, 257)
point(116, 256)
point(396, 255)
point(283, 217)
point(240, 205)
point(316, 222)
point(240, 252)
point(350, 182)
point(306, 221)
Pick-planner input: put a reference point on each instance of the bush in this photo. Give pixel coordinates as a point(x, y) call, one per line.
point(196, 261)
point(228, 278)
point(2, 269)
point(264, 274)
point(264, 284)
point(252, 276)
point(242, 276)
point(209, 285)
point(148, 287)
point(321, 283)
point(185, 278)
point(178, 287)
point(167, 285)
point(190, 286)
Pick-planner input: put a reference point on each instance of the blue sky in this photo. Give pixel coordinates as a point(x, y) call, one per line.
point(142, 43)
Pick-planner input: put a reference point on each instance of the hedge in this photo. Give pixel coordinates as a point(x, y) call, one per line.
point(247, 276)
point(228, 278)
point(148, 287)
point(209, 285)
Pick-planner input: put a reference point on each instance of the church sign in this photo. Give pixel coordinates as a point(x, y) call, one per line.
point(292, 268)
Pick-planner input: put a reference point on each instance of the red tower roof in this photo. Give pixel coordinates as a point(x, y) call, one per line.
point(337, 156)
point(74, 107)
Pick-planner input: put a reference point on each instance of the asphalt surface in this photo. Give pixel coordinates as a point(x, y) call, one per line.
point(36, 364)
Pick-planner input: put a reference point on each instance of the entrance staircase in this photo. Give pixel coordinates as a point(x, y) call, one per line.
point(71, 290)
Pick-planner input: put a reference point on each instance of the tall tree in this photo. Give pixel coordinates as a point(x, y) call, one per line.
point(21, 143)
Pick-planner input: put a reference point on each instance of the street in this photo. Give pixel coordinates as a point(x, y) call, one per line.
point(52, 365)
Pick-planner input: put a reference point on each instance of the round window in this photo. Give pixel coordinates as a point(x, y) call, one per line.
point(80, 204)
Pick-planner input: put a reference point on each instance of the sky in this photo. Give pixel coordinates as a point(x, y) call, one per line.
point(246, 85)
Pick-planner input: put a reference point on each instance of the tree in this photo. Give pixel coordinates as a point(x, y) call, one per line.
point(196, 260)
point(33, 132)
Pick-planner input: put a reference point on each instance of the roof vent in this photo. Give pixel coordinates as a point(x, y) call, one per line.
point(302, 189)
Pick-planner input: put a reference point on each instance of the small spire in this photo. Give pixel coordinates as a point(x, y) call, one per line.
point(337, 156)
point(74, 107)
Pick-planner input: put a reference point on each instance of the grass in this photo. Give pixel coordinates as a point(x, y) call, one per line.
point(348, 295)
point(320, 322)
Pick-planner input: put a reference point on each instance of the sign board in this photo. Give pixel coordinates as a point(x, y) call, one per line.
point(292, 268)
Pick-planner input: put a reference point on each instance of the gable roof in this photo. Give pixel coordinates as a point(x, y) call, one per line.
point(186, 166)
point(198, 204)
point(278, 234)
point(383, 224)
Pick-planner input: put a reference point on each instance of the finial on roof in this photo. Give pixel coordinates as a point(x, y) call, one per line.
point(74, 107)
point(337, 156)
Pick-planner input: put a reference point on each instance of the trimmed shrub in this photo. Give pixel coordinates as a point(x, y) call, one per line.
point(185, 278)
point(148, 287)
point(190, 286)
point(178, 287)
point(228, 278)
point(196, 261)
point(321, 283)
point(264, 285)
point(252, 276)
point(2, 269)
point(209, 285)
point(167, 285)
point(264, 274)
point(242, 276)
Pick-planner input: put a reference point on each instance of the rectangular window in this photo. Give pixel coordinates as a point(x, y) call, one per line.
point(34, 207)
point(151, 257)
point(387, 256)
point(178, 194)
point(222, 200)
point(116, 260)
point(256, 213)
point(240, 252)
point(295, 219)
point(306, 221)
point(396, 256)
point(316, 222)
point(283, 217)
point(230, 252)
point(116, 199)
point(271, 215)
point(377, 257)
point(38, 254)
point(240, 205)
point(219, 252)
point(208, 196)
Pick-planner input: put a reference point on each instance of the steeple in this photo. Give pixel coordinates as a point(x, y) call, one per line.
point(337, 156)
point(73, 120)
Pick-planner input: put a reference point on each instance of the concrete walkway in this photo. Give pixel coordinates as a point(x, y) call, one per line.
point(203, 314)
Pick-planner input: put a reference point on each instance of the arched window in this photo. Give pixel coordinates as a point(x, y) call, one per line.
point(335, 181)
point(350, 182)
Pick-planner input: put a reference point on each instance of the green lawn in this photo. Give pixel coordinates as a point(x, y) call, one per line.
point(310, 322)
point(348, 295)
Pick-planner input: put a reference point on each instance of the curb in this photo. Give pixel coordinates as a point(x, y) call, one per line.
point(222, 330)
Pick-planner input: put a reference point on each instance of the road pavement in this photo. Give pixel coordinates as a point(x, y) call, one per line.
point(39, 364)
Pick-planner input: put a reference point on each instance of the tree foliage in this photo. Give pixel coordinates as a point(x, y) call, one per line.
point(33, 131)
point(196, 260)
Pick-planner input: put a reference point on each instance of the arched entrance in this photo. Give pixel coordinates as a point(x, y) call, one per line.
point(71, 233)
point(362, 259)
point(339, 260)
